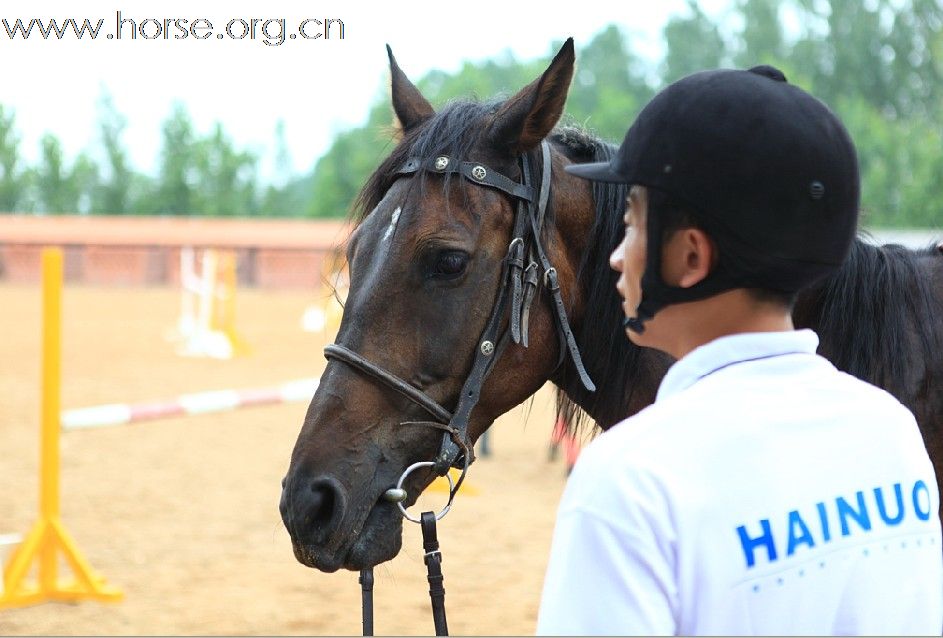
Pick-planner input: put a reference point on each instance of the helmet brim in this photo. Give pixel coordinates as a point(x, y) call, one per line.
point(598, 172)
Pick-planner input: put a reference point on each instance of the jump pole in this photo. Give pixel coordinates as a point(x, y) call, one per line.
point(188, 404)
point(48, 539)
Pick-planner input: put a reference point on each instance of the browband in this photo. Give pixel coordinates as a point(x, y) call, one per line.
point(477, 173)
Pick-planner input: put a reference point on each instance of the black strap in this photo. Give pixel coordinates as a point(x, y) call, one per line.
point(485, 357)
point(568, 341)
point(546, 170)
point(477, 173)
point(531, 275)
point(433, 560)
point(337, 351)
point(366, 595)
point(511, 274)
point(519, 235)
point(516, 261)
point(531, 281)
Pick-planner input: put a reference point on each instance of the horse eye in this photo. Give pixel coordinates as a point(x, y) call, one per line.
point(450, 263)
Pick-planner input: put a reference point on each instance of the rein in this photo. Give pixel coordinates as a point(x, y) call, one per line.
point(518, 287)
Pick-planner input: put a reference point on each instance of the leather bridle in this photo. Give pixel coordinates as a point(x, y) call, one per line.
point(518, 286)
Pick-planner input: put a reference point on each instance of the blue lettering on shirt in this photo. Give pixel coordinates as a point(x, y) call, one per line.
point(805, 537)
point(846, 511)
point(750, 543)
point(882, 508)
point(921, 488)
point(853, 515)
point(823, 518)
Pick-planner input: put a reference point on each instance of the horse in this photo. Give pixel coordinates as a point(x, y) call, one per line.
point(431, 255)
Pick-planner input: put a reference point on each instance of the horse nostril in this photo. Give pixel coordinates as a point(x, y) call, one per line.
point(312, 509)
point(321, 503)
point(322, 509)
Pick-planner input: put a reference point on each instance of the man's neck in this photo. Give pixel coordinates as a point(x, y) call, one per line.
point(690, 325)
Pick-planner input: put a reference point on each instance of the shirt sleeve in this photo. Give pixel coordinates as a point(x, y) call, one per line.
point(603, 580)
point(612, 564)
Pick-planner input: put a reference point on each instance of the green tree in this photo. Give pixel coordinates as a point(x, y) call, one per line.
point(176, 179)
point(885, 51)
point(609, 86)
point(900, 163)
point(340, 173)
point(916, 39)
point(113, 197)
point(225, 177)
point(875, 64)
point(283, 172)
point(13, 179)
point(693, 43)
point(479, 80)
point(280, 196)
point(62, 189)
point(761, 41)
point(854, 62)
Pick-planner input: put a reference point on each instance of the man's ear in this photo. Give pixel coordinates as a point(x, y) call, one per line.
point(687, 257)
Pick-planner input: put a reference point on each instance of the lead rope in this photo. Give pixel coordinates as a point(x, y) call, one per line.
point(433, 560)
point(366, 596)
point(432, 556)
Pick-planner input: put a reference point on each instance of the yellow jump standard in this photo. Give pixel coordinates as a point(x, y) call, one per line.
point(49, 538)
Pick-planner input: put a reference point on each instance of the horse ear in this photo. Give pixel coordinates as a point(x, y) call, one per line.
point(528, 117)
point(411, 108)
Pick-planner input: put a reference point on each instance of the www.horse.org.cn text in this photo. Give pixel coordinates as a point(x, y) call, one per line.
point(268, 31)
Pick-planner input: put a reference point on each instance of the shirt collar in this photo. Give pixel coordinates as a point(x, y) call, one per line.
point(737, 348)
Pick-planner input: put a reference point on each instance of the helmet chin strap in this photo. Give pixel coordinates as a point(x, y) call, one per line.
point(656, 294)
point(637, 323)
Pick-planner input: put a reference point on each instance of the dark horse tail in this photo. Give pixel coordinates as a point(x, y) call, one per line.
point(880, 318)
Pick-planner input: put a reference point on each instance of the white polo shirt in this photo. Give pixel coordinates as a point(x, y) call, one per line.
point(764, 492)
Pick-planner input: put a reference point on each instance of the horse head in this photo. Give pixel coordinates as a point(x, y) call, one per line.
point(428, 260)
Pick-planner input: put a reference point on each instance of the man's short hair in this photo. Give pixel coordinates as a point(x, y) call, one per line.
point(676, 215)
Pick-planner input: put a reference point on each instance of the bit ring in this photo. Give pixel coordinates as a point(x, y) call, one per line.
point(399, 486)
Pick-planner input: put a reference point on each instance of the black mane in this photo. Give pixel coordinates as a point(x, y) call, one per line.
point(876, 319)
point(625, 375)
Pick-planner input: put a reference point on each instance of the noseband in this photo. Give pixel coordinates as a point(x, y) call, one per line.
point(518, 287)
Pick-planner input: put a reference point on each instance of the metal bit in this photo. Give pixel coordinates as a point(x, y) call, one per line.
point(395, 495)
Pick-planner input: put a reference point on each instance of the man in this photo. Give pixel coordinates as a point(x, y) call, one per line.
point(764, 492)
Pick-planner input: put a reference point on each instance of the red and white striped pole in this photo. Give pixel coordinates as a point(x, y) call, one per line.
point(187, 404)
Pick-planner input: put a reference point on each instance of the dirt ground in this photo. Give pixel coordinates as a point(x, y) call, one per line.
point(182, 514)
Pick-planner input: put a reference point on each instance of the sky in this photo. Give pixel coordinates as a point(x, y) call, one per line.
point(317, 86)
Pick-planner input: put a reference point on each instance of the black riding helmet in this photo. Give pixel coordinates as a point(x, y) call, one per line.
point(766, 169)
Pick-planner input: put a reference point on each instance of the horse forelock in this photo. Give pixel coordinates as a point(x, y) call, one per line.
point(455, 130)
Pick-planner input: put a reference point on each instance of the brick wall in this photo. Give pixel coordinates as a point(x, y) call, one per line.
point(109, 251)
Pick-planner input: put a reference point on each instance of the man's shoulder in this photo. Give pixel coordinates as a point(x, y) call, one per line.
point(726, 415)
point(650, 438)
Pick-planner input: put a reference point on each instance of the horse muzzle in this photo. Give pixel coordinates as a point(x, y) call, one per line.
point(328, 532)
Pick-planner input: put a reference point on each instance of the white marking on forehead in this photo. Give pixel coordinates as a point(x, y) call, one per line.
point(393, 220)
